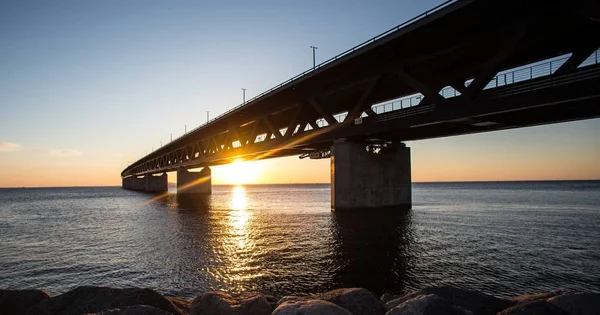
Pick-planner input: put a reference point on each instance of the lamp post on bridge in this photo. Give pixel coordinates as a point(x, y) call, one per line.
point(243, 96)
point(207, 115)
point(314, 60)
point(184, 129)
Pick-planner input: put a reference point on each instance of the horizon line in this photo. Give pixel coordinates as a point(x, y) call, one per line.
point(328, 183)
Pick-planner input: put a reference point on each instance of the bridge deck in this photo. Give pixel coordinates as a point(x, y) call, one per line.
point(467, 45)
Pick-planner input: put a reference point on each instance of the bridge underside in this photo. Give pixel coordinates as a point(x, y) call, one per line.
point(472, 66)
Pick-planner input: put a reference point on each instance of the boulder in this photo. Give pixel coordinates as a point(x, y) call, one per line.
point(310, 307)
point(18, 301)
point(526, 298)
point(292, 299)
point(429, 304)
point(536, 307)
point(386, 297)
point(358, 301)
point(133, 310)
point(578, 303)
point(182, 305)
point(97, 299)
point(221, 303)
point(476, 302)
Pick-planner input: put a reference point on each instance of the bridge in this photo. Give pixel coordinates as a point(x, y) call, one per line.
point(463, 67)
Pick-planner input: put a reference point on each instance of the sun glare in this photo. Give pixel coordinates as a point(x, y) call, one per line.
point(240, 172)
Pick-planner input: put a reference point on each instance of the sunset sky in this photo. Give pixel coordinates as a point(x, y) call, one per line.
point(87, 87)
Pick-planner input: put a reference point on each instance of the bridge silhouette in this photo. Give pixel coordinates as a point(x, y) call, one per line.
point(462, 67)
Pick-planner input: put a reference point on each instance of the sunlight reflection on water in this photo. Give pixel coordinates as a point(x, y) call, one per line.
point(283, 239)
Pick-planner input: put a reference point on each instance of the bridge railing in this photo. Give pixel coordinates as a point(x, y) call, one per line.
point(503, 78)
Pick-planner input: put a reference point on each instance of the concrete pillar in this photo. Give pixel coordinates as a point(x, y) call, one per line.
point(194, 182)
point(155, 183)
point(363, 180)
point(128, 182)
point(138, 183)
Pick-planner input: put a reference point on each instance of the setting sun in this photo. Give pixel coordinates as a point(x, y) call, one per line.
point(239, 172)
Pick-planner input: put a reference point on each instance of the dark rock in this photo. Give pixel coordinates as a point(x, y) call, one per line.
point(221, 303)
point(18, 301)
point(181, 305)
point(358, 301)
point(526, 298)
point(96, 299)
point(292, 299)
point(578, 303)
point(310, 307)
point(389, 297)
point(535, 307)
point(476, 302)
point(430, 304)
point(133, 310)
point(271, 299)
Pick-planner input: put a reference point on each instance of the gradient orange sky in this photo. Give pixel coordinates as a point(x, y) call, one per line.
point(561, 151)
point(91, 86)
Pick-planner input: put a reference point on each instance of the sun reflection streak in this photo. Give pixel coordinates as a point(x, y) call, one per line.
point(238, 244)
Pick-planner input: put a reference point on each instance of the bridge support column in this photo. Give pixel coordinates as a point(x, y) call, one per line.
point(369, 180)
point(194, 182)
point(128, 182)
point(138, 183)
point(156, 183)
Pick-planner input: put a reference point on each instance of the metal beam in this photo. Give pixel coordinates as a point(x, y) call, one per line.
point(293, 122)
point(429, 92)
point(328, 117)
point(275, 132)
point(494, 65)
point(362, 102)
point(575, 60)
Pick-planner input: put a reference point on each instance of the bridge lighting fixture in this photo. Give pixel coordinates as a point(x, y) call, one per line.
point(207, 115)
point(314, 60)
point(243, 96)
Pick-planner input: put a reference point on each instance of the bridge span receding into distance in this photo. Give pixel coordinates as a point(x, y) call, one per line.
point(464, 67)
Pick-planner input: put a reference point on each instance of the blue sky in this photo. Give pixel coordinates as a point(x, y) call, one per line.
point(88, 86)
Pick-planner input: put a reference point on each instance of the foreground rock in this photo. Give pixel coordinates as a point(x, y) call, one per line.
point(536, 307)
point(430, 304)
point(84, 300)
point(133, 310)
point(310, 307)
point(181, 305)
point(355, 300)
point(221, 303)
point(346, 301)
point(526, 298)
point(578, 303)
point(19, 301)
point(476, 302)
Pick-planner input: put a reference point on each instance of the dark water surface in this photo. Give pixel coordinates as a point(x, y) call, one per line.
point(502, 238)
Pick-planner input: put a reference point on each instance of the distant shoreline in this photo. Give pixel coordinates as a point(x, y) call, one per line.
point(283, 184)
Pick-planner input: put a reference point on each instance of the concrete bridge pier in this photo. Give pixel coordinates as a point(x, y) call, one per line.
point(374, 179)
point(154, 183)
point(139, 183)
point(128, 182)
point(194, 182)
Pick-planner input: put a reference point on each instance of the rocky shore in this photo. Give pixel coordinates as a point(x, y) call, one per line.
point(346, 301)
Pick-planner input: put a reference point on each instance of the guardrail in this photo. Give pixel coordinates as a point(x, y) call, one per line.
point(503, 78)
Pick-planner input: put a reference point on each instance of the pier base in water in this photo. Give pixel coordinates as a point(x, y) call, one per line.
point(148, 182)
point(194, 182)
point(369, 180)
